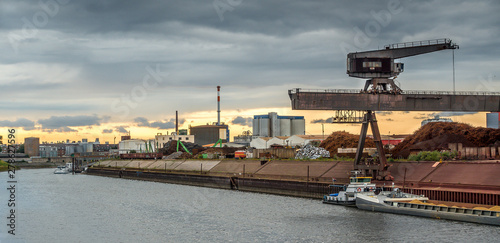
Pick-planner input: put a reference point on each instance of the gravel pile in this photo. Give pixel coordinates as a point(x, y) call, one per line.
point(311, 152)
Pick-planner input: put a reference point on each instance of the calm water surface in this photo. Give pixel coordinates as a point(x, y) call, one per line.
point(84, 208)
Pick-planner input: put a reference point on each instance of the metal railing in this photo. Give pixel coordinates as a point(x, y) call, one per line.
point(406, 92)
point(418, 43)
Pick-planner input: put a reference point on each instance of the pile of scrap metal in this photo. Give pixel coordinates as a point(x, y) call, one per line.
point(311, 152)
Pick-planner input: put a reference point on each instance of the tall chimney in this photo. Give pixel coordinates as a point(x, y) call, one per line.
point(218, 105)
point(176, 123)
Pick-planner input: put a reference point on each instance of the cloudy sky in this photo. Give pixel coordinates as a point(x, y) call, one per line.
point(98, 68)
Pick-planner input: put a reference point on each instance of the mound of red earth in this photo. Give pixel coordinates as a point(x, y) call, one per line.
point(341, 139)
point(437, 136)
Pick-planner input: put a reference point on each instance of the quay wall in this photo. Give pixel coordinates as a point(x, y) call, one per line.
point(462, 181)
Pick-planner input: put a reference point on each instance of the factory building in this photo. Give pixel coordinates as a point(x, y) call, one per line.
point(493, 120)
point(47, 151)
point(137, 146)
point(272, 125)
point(32, 146)
point(161, 140)
point(208, 134)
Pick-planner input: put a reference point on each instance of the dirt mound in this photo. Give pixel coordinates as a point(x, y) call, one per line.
point(437, 136)
point(341, 139)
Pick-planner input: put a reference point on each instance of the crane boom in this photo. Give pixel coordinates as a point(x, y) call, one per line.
point(379, 65)
point(407, 49)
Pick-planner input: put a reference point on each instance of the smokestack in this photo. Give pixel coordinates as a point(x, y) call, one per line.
point(176, 123)
point(218, 105)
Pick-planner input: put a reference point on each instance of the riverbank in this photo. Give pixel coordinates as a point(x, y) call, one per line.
point(3, 165)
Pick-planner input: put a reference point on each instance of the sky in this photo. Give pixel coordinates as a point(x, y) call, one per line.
point(73, 69)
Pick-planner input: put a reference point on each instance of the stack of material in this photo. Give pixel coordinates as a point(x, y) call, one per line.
point(311, 152)
point(343, 139)
point(437, 136)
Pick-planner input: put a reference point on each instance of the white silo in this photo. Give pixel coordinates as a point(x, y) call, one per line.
point(285, 127)
point(298, 127)
point(264, 127)
point(256, 127)
point(274, 124)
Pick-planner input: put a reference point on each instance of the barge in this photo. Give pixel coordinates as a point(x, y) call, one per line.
point(420, 207)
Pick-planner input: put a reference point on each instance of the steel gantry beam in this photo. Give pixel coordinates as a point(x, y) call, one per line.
point(341, 99)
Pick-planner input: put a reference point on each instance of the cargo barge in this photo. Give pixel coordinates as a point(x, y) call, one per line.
point(381, 203)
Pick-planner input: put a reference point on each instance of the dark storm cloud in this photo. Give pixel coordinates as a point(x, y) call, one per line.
point(244, 121)
point(62, 123)
point(23, 123)
point(107, 131)
point(121, 129)
point(102, 49)
point(143, 122)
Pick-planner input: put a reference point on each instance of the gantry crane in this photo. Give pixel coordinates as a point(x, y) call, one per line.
point(379, 66)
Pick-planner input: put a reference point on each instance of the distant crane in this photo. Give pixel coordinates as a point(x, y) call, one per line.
point(379, 65)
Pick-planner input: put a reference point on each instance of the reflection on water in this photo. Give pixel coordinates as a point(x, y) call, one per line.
point(83, 208)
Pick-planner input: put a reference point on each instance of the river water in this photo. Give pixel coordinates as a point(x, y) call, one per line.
point(85, 208)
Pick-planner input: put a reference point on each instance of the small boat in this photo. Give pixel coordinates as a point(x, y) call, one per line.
point(418, 205)
point(61, 170)
point(347, 196)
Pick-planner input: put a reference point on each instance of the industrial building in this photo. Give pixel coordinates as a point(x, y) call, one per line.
point(137, 146)
point(161, 140)
point(492, 120)
point(32, 146)
point(272, 125)
point(47, 151)
point(208, 134)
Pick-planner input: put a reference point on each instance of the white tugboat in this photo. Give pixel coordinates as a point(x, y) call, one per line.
point(357, 184)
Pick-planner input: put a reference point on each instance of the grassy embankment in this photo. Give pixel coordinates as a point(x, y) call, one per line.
point(3, 165)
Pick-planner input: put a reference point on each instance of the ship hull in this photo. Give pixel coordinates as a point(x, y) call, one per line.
point(429, 211)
